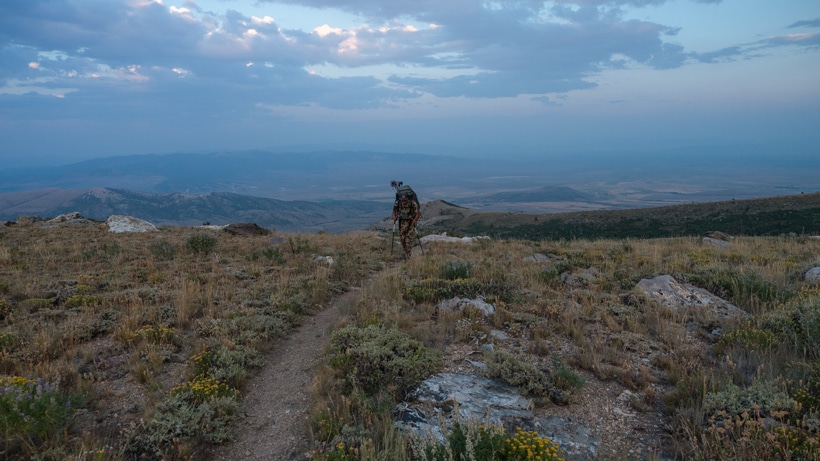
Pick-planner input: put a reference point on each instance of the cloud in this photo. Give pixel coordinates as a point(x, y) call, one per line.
point(808, 23)
point(754, 49)
point(130, 56)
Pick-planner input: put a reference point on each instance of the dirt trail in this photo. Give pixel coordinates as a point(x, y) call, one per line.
point(277, 400)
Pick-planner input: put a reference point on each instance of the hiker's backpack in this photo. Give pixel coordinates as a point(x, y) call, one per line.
point(404, 191)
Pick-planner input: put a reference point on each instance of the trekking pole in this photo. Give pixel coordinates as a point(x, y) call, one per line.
point(419, 239)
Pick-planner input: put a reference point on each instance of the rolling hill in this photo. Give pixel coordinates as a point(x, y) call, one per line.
point(793, 214)
point(188, 209)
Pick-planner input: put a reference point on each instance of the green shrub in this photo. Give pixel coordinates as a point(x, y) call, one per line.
point(299, 245)
point(806, 391)
point(463, 442)
point(227, 365)
point(200, 411)
point(566, 379)
point(31, 411)
point(201, 243)
point(504, 365)
point(489, 443)
point(6, 341)
point(203, 389)
point(797, 325)
point(750, 435)
point(760, 396)
point(5, 308)
point(529, 446)
point(81, 301)
point(456, 270)
point(111, 249)
point(36, 304)
point(163, 251)
point(745, 289)
point(274, 254)
point(340, 452)
point(434, 290)
point(749, 338)
point(154, 335)
point(375, 358)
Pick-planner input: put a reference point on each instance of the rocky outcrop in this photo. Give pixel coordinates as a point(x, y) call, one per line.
point(121, 224)
point(245, 229)
point(537, 258)
point(448, 239)
point(66, 217)
point(812, 275)
point(675, 295)
point(717, 235)
point(715, 242)
point(716, 238)
point(460, 304)
point(447, 398)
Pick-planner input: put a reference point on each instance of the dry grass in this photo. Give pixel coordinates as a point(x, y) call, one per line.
point(73, 297)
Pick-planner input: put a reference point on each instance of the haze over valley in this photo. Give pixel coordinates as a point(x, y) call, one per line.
point(288, 189)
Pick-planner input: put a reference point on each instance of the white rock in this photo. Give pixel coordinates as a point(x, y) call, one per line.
point(324, 259)
point(446, 238)
point(120, 224)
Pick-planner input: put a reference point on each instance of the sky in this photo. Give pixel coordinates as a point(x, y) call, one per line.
point(81, 79)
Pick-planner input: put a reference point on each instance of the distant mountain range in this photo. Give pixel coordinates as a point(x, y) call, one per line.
point(552, 182)
point(189, 210)
point(340, 191)
point(285, 176)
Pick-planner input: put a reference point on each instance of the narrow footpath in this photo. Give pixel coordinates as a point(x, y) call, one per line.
point(277, 399)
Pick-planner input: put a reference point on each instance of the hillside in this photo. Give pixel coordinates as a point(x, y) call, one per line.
point(798, 214)
point(152, 345)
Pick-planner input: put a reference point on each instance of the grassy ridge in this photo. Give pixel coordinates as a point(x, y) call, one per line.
point(798, 214)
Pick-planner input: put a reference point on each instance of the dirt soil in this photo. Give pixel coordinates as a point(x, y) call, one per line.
point(277, 400)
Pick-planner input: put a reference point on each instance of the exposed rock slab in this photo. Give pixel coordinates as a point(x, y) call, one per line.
point(448, 239)
point(459, 304)
point(120, 224)
point(446, 398)
point(676, 295)
point(715, 242)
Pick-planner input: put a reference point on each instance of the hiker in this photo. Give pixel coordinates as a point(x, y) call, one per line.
point(406, 210)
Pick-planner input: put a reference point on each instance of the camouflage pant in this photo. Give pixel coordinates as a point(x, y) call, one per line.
point(406, 234)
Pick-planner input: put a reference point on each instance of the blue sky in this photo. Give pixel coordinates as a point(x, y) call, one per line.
point(95, 78)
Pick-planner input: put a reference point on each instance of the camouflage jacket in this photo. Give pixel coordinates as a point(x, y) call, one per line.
point(405, 209)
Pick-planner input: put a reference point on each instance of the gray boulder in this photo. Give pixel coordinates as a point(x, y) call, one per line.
point(537, 258)
point(676, 295)
point(716, 238)
point(66, 217)
point(812, 275)
point(717, 235)
point(121, 224)
point(459, 304)
point(715, 242)
point(447, 398)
